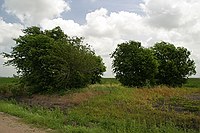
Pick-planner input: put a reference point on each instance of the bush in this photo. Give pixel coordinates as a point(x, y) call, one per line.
point(163, 63)
point(50, 60)
point(134, 65)
point(175, 66)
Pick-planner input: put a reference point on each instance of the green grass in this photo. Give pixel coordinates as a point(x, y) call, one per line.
point(44, 118)
point(109, 81)
point(193, 83)
point(56, 120)
point(131, 110)
point(38, 116)
point(121, 109)
point(8, 80)
point(10, 87)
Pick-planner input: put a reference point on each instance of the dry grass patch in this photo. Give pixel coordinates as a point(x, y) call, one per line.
point(59, 101)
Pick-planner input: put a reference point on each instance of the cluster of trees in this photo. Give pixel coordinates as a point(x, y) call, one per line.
point(50, 60)
point(163, 63)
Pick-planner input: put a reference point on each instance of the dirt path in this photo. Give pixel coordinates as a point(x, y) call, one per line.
point(11, 124)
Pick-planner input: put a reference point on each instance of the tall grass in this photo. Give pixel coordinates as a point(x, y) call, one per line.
point(112, 108)
point(10, 87)
point(131, 110)
point(56, 120)
point(40, 117)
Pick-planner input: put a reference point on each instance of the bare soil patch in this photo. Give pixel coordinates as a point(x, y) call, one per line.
point(194, 96)
point(11, 124)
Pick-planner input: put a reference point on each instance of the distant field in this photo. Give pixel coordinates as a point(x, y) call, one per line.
point(193, 83)
point(109, 81)
point(8, 80)
point(8, 86)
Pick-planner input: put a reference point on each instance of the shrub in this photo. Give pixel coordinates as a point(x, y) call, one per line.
point(50, 60)
point(134, 65)
point(175, 66)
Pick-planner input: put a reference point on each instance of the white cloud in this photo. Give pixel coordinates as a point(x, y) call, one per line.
point(177, 22)
point(98, 24)
point(162, 14)
point(8, 31)
point(68, 26)
point(31, 12)
point(6, 71)
point(171, 14)
point(93, 0)
point(163, 20)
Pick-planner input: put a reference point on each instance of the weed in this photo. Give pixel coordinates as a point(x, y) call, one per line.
point(112, 108)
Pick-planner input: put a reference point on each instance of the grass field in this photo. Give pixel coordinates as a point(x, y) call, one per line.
point(193, 83)
point(7, 80)
point(111, 108)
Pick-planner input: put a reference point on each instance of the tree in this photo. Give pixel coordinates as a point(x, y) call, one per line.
point(175, 66)
point(134, 65)
point(51, 60)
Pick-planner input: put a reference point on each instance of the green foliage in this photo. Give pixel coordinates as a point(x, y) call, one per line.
point(50, 60)
point(134, 65)
point(163, 63)
point(175, 66)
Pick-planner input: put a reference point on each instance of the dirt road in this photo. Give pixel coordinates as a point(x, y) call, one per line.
point(11, 124)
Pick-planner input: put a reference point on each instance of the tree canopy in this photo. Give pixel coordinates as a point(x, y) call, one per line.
point(175, 66)
point(163, 63)
point(134, 65)
point(51, 60)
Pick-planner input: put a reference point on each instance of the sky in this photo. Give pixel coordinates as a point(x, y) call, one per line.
point(104, 24)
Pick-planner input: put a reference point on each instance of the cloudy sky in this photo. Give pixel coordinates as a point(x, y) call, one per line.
point(105, 23)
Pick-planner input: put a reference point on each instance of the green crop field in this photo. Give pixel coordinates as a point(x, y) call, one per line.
point(7, 80)
point(193, 83)
point(111, 108)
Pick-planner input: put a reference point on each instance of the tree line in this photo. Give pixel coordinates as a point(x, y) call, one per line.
point(50, 60)
point(162, 64)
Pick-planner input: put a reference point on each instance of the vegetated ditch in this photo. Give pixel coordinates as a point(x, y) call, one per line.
point(62, 102)
point(184, 104)
point(187, 103)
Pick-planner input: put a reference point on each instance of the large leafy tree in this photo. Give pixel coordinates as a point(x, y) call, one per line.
point(175, 66)
point(134, 65)
point(51, 60)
